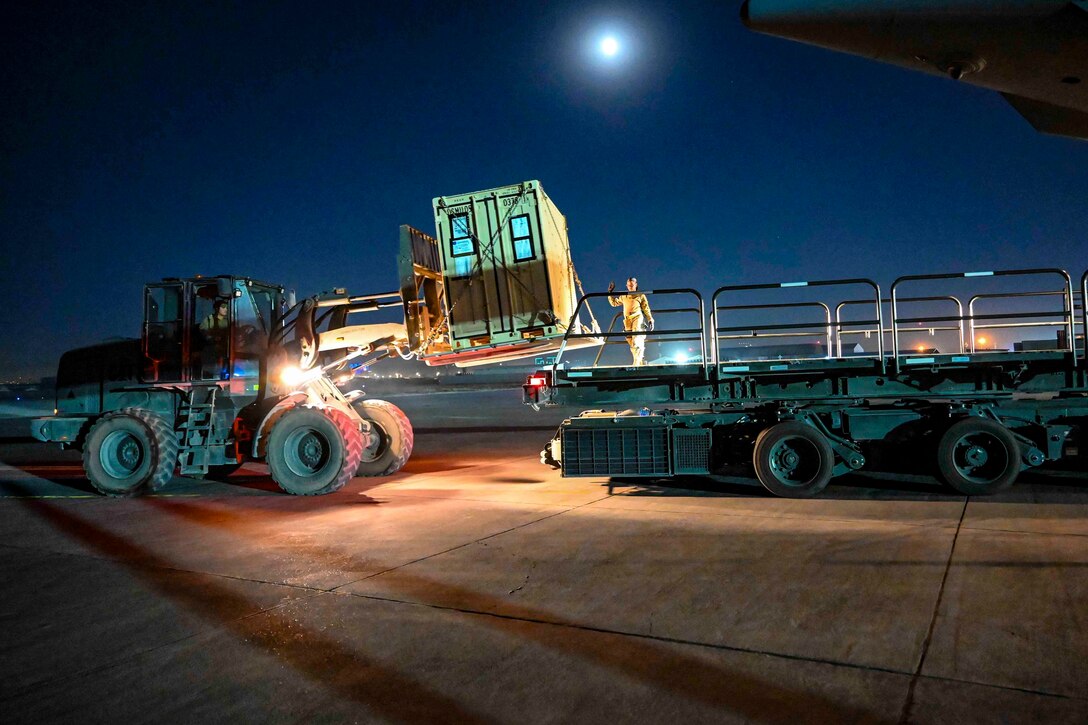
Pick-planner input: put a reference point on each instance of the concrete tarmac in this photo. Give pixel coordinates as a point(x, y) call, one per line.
point(479, 586)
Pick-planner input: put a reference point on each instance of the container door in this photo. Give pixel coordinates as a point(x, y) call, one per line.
point(466, 296)
point(526, 278)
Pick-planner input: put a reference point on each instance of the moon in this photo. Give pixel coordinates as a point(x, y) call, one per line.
point(609, 46)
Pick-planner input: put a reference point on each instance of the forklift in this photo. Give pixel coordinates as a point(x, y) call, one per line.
point(229, 370)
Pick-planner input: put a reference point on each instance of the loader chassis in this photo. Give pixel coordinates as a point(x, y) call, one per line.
point(975, 417)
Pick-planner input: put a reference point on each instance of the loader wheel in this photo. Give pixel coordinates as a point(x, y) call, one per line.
point(793, 460)
point(391, 446)
point(129, 450)
point(314, 451)
point(977, 457)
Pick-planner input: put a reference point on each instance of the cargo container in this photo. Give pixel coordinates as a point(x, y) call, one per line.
point(496, 282)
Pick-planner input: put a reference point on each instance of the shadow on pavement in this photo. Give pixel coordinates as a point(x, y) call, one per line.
point(633, 656)
point(850, 487)
point(327, 663)
point(1040, 485)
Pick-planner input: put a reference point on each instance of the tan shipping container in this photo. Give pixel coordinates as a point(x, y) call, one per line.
point(497, 281)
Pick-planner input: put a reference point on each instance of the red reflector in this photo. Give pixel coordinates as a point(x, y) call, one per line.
point(536, 382)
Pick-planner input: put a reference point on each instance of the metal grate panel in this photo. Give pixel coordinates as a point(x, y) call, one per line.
point(615, 452)
point(691, 450)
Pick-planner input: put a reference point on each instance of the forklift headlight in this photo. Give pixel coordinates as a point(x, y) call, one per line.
point(293, 376)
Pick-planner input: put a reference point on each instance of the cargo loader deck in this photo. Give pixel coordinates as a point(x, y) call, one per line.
point(979, 415)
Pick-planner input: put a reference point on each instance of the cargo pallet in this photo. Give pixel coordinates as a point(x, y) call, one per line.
point(980, 416)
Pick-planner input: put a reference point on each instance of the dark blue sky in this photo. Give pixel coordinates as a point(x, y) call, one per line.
point(287, 141)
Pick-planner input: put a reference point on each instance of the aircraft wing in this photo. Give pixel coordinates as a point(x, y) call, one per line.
point(1049, 118)
point(1034, 52)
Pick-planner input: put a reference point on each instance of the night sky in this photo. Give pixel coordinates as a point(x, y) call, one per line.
point(289, 141)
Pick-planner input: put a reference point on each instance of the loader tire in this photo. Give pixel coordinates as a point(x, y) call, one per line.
point(978, 457)
point(128, 451)
point(793, 460)
point(391, 447)
point(314, 451)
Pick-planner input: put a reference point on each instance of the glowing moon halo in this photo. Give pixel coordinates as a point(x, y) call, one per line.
point(609, 46)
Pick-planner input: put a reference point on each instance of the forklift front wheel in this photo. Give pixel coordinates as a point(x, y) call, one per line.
point(392, 441)
point(314, 451)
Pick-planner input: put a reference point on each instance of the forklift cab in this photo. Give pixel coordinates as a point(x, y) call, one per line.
point(208, 330)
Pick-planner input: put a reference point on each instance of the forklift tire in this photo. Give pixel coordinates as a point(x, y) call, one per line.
point(978, 456)
point(129, 450)
point(793, 460)
point(392, 446)
point(314, 451)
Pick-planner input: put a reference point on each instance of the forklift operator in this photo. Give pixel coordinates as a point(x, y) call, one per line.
point(636, 316)
point(215, 327)
point(217, 323)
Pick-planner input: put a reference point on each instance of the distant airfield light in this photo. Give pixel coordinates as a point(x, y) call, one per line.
point(609, 46)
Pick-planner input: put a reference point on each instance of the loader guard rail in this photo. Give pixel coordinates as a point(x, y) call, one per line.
point(884, 332)
point(1024, 319)
point(830, 331)
point(1083, 319)
point(959, 365)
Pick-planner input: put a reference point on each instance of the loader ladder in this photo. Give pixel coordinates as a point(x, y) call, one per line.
point(195, 430)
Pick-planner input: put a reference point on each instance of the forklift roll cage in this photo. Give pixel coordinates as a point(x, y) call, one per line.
point(170, 337)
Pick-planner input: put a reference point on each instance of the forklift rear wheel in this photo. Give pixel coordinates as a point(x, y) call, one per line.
point(793, 459)
point(392, 445)
point(129, 450)
point(314, 451)
point(978, 456)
